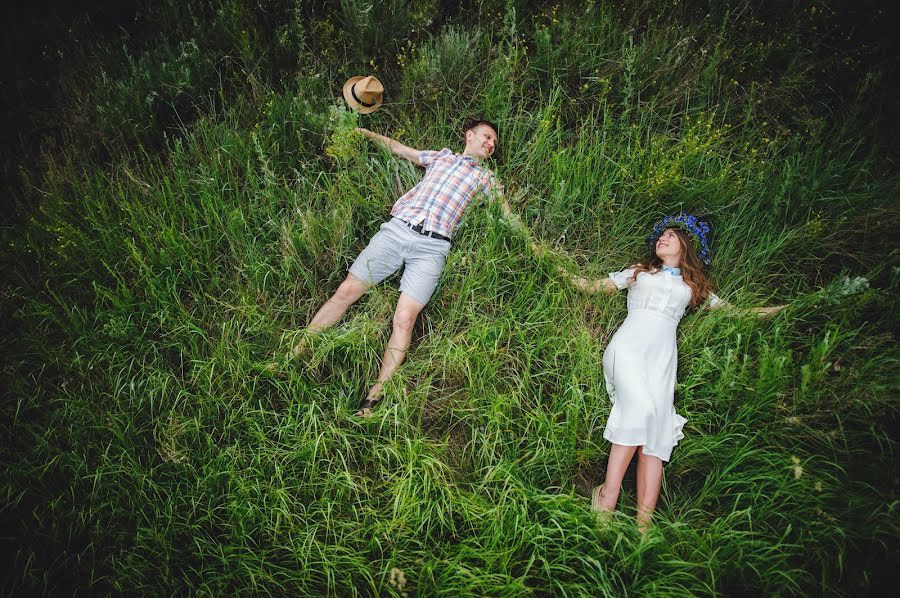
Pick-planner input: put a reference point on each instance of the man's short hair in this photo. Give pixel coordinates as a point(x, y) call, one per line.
point(474, 122)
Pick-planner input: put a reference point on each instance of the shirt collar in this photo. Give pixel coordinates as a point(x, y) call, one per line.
point(672, 271)
point(471, 159)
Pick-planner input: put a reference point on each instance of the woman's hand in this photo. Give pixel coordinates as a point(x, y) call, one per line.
point(764, 312)
point(761, 312)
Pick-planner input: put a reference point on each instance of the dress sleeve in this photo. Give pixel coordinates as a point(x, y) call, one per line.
point(620, 279)
point(428, 157)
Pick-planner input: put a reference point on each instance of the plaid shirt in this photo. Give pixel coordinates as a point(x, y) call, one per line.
point(438, 201)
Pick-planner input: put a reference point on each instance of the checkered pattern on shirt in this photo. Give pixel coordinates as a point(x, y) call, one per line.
point(440, 198)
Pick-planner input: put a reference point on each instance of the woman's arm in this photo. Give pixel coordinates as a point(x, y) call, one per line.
point(762, 312)
point(583, 284)
point(397, 148)
point(767, 311)
point(589, 285)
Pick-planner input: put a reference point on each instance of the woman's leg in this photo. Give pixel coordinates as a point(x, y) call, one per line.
point(649, 480)
point(619, 458)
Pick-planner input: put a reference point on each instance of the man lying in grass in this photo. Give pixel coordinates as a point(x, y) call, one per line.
point(640, 362)
point(416, 237)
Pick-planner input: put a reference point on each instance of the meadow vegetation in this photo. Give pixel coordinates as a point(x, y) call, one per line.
point(201, 192)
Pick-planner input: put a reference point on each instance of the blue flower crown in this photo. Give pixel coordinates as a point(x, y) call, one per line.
point(697, 229)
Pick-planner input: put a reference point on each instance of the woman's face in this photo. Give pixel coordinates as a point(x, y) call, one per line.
point(669, 245)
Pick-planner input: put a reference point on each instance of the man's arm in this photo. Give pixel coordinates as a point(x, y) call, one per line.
point(397, 148)
point(496, 194)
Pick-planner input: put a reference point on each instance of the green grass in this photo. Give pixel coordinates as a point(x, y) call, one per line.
point(202, 198)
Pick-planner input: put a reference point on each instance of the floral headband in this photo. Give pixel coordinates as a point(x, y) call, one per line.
point(697, 229)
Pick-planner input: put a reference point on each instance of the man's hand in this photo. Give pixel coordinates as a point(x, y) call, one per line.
point(511, 218)
point(515, 223)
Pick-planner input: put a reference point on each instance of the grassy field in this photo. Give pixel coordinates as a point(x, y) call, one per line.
point(199, 193)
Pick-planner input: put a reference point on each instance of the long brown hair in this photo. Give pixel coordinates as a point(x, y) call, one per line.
point(691, 269)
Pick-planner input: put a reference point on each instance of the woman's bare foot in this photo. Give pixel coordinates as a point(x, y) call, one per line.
point(596, 497)
point(599, 505)
point(602, 500)
point(644, 517)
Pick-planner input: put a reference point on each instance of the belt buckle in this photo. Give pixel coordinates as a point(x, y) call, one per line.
point(420, 228)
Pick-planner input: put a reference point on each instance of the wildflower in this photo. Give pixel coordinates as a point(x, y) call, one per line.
point(398, 580)
point(838, 291)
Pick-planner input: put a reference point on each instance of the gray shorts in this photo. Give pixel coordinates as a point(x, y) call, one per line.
point(396, 245)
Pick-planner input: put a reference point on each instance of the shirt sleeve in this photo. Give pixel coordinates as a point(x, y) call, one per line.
point(428, 157)
point(620, 279)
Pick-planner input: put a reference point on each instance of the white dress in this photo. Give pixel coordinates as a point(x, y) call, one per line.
point(641, 360)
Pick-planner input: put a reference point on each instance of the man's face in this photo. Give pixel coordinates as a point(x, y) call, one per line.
point(481, 141)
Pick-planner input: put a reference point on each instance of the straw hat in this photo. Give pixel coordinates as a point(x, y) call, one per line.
point(363, 94)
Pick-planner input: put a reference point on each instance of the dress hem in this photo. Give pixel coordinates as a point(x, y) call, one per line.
point(615, 437)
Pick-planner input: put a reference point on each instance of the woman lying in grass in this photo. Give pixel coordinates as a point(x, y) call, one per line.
point(640, 362)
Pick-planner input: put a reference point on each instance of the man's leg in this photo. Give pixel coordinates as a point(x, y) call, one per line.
point(380, 258)
point(346, 295)
point(405, 315)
